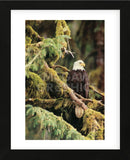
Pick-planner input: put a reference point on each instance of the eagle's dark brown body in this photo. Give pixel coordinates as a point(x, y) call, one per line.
point(78, 81)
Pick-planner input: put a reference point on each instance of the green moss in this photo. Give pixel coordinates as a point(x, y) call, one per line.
point(99, 134)
point(43, 103)
point(35, 86)
point(92, 122)
point(34, 24)
point(58, 104)
point(62, 28)
point(32, 34)
point(91, 94)
point(54, 81)
point(91, 135)
point(28, 40)
point(94, 105)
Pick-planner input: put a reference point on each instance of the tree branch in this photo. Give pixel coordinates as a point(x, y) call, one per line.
point(89, 100)
point(38, 44)
point(43, 103)
point(64, 86)
point(95, 90)
point(63, 68)
point(27, 65)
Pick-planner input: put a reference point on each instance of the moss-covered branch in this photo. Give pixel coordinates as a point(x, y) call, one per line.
point(64, 86)
point(97, 91)
point(43, 103)
point(38, 44)
point(27, 65)
point(93, 124)
point(91, 118)
point(61, 67)
point(89, 100)
point(32, 35)
point(57, 103)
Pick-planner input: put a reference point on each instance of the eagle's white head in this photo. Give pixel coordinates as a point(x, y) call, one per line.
point(79, 65)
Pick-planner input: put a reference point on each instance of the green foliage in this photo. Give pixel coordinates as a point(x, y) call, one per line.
point(50, 50)
point(53, 48)
point(42, 124)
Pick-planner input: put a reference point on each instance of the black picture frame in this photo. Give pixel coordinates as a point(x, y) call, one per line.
point(5, 41)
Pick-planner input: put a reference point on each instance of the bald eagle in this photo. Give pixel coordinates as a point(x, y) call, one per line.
point(78, 79)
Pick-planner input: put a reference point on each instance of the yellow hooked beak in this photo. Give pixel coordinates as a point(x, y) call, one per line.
point(82, 64)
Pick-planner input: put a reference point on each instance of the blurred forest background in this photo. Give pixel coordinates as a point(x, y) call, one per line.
point(72, 40)
point(88, 44)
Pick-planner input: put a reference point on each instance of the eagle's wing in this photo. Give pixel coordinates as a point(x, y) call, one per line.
point(74, 78)
point(69, 77)
point(86, 84)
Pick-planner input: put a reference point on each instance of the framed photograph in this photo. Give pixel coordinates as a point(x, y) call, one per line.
point(58, 44)
point(65, 71)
